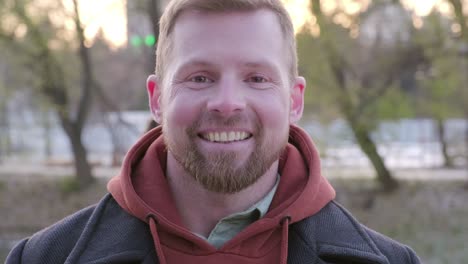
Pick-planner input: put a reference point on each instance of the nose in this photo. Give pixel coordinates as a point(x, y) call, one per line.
point(227, 99)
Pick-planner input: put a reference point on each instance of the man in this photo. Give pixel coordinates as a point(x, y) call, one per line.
point(227, 177)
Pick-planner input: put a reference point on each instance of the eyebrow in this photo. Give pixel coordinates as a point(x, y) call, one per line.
point(251, 65)
point(194, 63)
point(197, 63)
point(264, 64)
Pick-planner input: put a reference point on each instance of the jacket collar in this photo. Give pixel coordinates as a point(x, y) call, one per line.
point(332, 236)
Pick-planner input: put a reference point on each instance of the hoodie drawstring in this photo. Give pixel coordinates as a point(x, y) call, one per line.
point(157, 242)
point(284, 239)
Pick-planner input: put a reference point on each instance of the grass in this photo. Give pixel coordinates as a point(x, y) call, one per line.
point(431, 217)
point(27, 206)
point(68, 185)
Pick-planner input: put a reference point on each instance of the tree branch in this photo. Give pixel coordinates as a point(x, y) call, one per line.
point(460, 17)
point(87, 77)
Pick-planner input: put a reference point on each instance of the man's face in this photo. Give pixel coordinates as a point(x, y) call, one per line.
point(227, 101)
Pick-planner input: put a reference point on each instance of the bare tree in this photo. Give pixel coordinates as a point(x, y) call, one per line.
point(462, 20)
point(360, 73)
point(53, 83)
point(152, 9)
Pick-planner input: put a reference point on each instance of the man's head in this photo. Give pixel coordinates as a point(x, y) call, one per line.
point(226, 88)
point(176, 7)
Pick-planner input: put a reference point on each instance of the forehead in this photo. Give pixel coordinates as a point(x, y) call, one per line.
point(247, 36)
point(251, 18)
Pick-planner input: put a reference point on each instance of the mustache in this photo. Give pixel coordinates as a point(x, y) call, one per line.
point(214, 120)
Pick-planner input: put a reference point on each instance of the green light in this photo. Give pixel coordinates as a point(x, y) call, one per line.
point(136, 41)
point(150, 40)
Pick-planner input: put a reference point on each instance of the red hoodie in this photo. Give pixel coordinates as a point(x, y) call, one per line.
point(142, 190)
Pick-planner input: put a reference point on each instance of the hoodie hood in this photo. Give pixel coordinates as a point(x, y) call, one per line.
point(142, 190)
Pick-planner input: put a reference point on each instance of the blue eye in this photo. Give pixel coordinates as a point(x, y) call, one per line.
point(200, 79)
point(257, 79)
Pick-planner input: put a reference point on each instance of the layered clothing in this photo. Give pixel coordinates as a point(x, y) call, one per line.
point(137, 222)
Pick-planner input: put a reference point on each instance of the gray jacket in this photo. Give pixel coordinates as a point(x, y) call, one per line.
point(105, 233)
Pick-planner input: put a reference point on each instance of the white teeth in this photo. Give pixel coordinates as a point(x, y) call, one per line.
point(226, 136)
point(223, 136)
point(232, 135)
point(243, 135)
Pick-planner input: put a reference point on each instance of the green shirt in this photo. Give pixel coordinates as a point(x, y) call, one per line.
point(231, 225)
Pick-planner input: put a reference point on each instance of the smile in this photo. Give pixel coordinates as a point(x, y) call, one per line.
point(225, 137)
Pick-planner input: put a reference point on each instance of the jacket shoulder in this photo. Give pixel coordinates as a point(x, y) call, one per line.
point(338, 237)
point(393, 250)
point(52, 244)
point(97, 233)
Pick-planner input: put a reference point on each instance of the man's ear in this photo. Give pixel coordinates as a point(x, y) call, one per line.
point(153, 88)
point(297, 100)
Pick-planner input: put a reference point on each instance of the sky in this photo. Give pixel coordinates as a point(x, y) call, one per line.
point(109, 16)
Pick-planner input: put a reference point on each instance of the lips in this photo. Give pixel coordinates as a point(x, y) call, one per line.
point(225, 136)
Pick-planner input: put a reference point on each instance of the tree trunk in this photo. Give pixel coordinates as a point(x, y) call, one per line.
point(47, 127)
point(118, 151)
point(2, 134)
point(83, 170)
point(466, 149)
point(384, 177)
point(82, 166)
point(5, 141)
point(154, 14)
point(443, 143)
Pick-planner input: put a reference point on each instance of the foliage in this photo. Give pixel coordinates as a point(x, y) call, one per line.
point(68, 185)
point(392, 69)
point(440, 78)
point(395, 104)
point(45, 39)
point(371, 64)
point(42, 49)
point(376, 64)
point(359, 67)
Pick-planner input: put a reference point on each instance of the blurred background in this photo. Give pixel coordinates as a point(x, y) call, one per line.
point(386, 104)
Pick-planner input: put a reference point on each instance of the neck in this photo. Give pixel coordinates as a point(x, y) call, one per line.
point(201, 209)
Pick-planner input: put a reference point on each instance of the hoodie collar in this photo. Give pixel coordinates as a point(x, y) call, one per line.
point(142, 189)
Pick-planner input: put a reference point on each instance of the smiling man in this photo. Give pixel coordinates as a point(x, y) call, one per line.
point(227, 177)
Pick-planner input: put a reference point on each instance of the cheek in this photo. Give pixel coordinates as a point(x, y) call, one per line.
point(182, 111)
point(273, 111)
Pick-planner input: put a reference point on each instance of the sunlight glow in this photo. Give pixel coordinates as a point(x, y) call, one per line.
point(106, 17)
point(417, 22)
point(445, 7)
point(109, 16)
point(299, 10)
point(421, 8)
point(456, 28)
